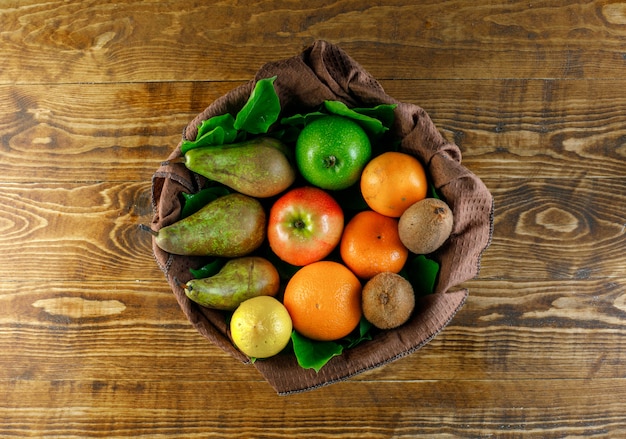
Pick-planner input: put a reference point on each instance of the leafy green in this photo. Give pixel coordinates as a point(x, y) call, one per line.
point(287, 134)
point(313, 354)
point(363, 334)
point(224, 121)
point(376, 120)
point(209, 269)
point(195, 202)
point(422, 273)
point(302, 119)
point(384, 113)
point(432, 190)
point(368, 123)
point(257, 115)
point(217, 130)
point(261, 110)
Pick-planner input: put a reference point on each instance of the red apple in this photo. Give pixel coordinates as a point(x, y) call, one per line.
point(304, 225)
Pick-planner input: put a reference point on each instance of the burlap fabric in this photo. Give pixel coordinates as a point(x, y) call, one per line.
point(321, 72)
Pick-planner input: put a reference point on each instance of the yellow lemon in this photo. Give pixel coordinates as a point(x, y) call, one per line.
point(261, 327)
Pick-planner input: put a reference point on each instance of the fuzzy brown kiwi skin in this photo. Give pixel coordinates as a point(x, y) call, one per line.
point(388, 300)
point(425, 226)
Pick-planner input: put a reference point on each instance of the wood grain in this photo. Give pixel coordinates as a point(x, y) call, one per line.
point(568, 129)
point(446, 409)
point(95, 95)
point(548, 128)
point(133, 41)
point(506, 331)
point(75, 231)
point(96, 236)
point(95, 132)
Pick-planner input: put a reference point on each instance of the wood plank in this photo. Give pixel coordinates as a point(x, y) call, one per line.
point(95, 132)
point(519, 128)
point(95, 95)
point(60, 42)
point(559, 228)
point(131, 408)
point(508, 330)
point(548, 129)
point(76, 232)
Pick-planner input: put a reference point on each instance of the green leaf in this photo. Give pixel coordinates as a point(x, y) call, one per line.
point(301, 120)
point(208, 270)
point(313, 354)
point(217, 130)
point(433, 191)
point(261, 110)
point(195, 202)
point(384, 113)
point(363, 334)
point(289, 134)
point(422, 273)
point(224, 121)
point(368, 123)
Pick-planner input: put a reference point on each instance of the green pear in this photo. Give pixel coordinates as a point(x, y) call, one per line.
point(239, 279)
point(230, 226)
point(259, 167)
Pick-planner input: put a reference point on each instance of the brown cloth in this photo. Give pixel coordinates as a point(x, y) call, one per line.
point(322, 72)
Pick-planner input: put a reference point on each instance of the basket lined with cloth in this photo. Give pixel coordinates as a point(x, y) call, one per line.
point(322, 72)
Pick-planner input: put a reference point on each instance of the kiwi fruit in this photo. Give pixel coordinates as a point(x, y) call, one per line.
point(387, 300)
point(425, 225)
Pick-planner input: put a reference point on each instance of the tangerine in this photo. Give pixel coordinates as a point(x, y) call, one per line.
point(393, 181)
point(324, 300)
point(371, 244)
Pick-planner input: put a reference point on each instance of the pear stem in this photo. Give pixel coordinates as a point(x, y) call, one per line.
point(180, 284)
point(146, 228)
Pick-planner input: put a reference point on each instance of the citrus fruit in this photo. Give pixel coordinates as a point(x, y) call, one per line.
point(393, 181)
point(332, 151)
point(324, 300)
point(371, 244)
point(261, 327)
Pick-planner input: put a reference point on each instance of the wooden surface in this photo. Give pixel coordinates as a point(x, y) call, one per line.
point(95, 94)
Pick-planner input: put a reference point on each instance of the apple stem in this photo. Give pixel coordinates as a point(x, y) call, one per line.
point(330, 161)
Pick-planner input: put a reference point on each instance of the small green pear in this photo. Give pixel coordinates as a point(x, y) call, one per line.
point(259, 167)
point(239, 279)
point(230, 226)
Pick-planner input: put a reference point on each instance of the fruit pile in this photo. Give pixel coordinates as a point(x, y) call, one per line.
point(316, 229)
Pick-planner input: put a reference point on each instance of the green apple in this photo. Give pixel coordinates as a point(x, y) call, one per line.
point(332, 151)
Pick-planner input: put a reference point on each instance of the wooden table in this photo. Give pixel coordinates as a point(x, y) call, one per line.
point(95, 94)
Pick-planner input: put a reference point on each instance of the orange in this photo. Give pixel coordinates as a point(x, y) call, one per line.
point(324, 301)
point(371, 244)
point(393, 181)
